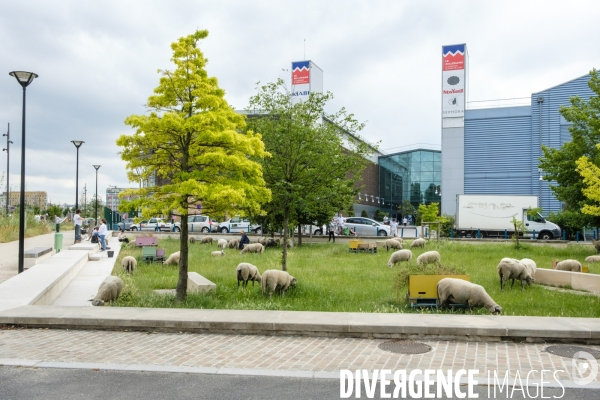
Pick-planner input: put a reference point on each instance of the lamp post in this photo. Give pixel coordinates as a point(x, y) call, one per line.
point(24, 78)
point(7, 149)
point(77, 144)
point(96, 204)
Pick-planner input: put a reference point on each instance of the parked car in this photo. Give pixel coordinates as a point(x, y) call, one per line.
point(238, 224)
point(127, 225)
point(158, 224)
point(316, 230)
point(367, 227)
point(202, 223)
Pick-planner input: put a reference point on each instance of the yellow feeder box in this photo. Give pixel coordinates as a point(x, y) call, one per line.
point(422, 289)
point(354, 245)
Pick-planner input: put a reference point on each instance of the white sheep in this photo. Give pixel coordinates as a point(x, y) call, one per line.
point(458, 291)
point(569, 265)
point(218, 253)
point(262, 240)
point(173, 259)
point(420, 242)
point(399, 239)
point(393, 244)
point(429, 257)
point(129, 263)
point(233, 243)
point(271, 242)
point(247, 272)
point(275, 279)
point(206, 239)
point(399, 256)
point(509, 268)
point(530, 265)
point(192, 239)
point(222, 243)
point(592, 259)
point(109, 290)
point(253, 248)
point(290, 243)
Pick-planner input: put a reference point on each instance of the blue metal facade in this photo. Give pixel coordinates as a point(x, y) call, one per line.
point(503, 145)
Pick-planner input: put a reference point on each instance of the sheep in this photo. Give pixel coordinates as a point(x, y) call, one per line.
point(592, 259)
point(429, 257)
point(270, 242)
point(530, 265)
point(109, 290)
point(247, 272)
point(129, 263)
point(206, 239)
point(399, 239)
point(192, 240)
point(233, 243)
point(569, 265)
point(596, 244)
point(393, 244)
point(218, 253)
point(399, 256)
point(173, 259)
point(458, 291)
point(420, 242)
point(275, 279)
point(262, 240)
point(222, 243)
point(290, 243)
point(509, 268)
point(253, 248)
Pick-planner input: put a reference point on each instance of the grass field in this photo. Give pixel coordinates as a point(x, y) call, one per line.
point(330, 278)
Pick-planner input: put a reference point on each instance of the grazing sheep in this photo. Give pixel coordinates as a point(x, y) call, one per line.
point(592, 259)
point(290, 243)
point(206, 239)
point(262, 240)
point(233, 243)
point(247, 272)
point(420, 242)
point(596, 244)
point(270, 242)
point(275, 279)
point(109, 290)
point(569, 265)
point(218, 253)
point(509, 268)
point(222, 243)
point(429, 257)
point(530, 265)
point(399, 256)
point(129, 263)
point(393, 244)
point(173, 259)
point(253, 248)
point(458, 291)
point(192, 240)
point(399, 239)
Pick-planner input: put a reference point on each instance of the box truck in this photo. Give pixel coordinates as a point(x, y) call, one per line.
point(490, 215)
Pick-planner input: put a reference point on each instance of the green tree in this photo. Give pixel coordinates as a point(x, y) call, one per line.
point(364, 214)
point(590, 173)
point(316, 158)
point(430, 212)
point(560, 165)
point(406, 208)
point(193, 140)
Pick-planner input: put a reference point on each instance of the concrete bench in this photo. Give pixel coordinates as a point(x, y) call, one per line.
point(576, 280)
point(36, 255)
point(198, 284)
point(146, 241)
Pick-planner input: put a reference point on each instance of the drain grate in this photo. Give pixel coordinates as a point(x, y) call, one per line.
point(569, 351)
point(404, 347)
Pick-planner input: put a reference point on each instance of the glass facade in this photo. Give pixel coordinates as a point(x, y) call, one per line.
point(414, 175)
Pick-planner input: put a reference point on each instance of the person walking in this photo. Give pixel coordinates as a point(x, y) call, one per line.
point(103, 231)
point(77, 220)
point(332, 229)
point(394, 227)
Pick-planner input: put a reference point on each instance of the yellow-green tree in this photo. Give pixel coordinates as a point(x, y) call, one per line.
point(590, 173)
point(196, 143)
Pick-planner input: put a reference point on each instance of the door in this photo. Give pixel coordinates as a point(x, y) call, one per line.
point(533, 222)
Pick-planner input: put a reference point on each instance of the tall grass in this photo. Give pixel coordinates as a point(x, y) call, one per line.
point(9, 227)
point(330, 278)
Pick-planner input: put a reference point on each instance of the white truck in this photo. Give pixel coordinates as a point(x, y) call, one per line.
point(490, 216)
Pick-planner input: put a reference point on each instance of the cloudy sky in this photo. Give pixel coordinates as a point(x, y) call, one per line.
point(97, 63)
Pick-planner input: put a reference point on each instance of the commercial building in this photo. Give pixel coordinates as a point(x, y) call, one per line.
point(39, 199)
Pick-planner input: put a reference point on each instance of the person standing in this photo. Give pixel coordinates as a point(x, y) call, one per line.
point(103, 231)
point(332, 229)
point(77, 220)
point(340, 223)
point(405, 221)
point(244, 239)
point(394, 227)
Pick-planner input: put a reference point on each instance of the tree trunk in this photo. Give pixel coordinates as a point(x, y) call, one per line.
point(300, 235)
point(181, 291)
point(286, 226)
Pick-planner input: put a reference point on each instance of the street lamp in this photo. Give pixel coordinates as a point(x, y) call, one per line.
point(7, 149)
point(96, 204)
point(77, 144)
point(24, 79)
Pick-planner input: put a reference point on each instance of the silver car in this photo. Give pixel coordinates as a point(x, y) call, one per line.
point(367, 227)
point(202, 223)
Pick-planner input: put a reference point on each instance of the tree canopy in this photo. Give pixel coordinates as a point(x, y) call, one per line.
point(590, 173)
point(316, 157)
point(560, 165)
point(196, 144)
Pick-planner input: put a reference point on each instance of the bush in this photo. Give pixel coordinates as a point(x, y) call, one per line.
point(364, 214)
point(379, 215)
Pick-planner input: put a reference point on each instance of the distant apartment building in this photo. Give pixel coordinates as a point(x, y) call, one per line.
point(32, 199)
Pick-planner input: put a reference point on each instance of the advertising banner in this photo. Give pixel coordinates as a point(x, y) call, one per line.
point(453, 81)
point(306, 78)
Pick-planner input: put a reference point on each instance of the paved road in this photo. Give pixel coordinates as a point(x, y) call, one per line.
point(9, 261)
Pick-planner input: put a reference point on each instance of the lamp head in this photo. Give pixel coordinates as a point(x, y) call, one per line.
point(77, 143)
point(24, 78)
point(97, 167)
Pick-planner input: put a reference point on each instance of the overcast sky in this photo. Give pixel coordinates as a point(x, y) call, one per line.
point(97, 63)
